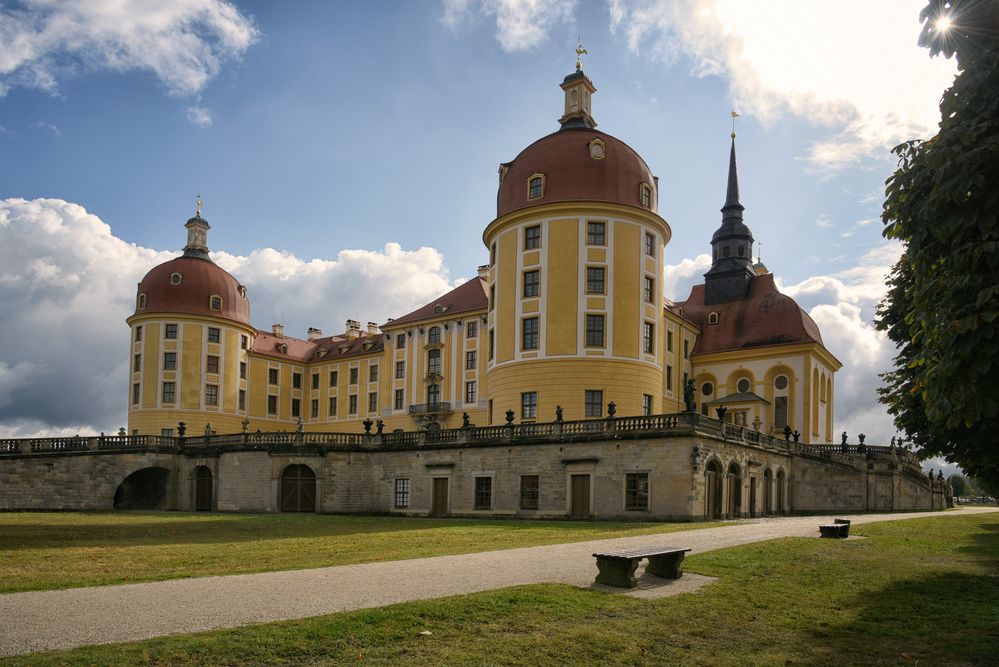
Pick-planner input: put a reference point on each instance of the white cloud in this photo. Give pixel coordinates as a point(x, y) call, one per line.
point(182, 42)
point(679, 278)
point(520, 24)
point(67, 284)
point(47, 126)
point(850, 65)
point(200, 116)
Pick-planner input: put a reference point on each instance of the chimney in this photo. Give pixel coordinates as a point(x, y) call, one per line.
point(353, 329)
point(484, 272)
point(373, 328)
point(278, 330)
point(314, 334)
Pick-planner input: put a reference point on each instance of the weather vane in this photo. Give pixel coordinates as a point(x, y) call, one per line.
point(759, 252)
point(197, 208)
point(734, 116)
point(579, 52)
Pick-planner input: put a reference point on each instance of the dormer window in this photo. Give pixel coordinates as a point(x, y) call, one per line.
point(536, 186)
point(142, 301)
point(215, 302)
point(597, 149)
point(503, 168)
point(282, 348)
point(646, 193)
point(712, 318)
point(438, 309)
point(242, 291)
point(175, 278)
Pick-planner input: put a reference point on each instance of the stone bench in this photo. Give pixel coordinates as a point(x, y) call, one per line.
point(617, 568)
point(839, 528)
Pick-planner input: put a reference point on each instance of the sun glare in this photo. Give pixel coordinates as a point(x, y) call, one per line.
point(943, 23)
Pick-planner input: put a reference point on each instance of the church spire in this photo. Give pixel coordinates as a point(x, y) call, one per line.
point(578, 94)
point(732, 206)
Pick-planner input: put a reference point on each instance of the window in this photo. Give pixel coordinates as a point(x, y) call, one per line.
point(215, 303)
point(213, 334)
point(142, 301)
point(529, 487)
point(532, 283)
point(536, 187)
point(492, 254)
point(470, 393)
point(650, 290)
point(596, 149)
point(743, 386)
point(169, 361)
point(532, 237)
point(686, 348)
point(296, 407)
point(244, 341)
point(175, 278)
point(492, 344)
point(669, 378)
point(483, 493)
point(780, 412)
point(401, 493)
point(707, 389)
point(138, 333)
point(212, 364)
point(593, 403)
point(272, 405)
point(211, 394)
point(650, 244)
point(272, 376)
point(435, 335)
point(399, 399)
point(472, 329)
point(471, 360)
point(434, 394)
point(333, 378)
point(296, 380)
point(594, 280)
point(137, 363)
point(352, 404)
point(434, 362)
point(242, 401)
point(315, 408)
point(636, 491)
point(353, 376)
point(712, 318)
point(400, 370)
point(646, 404)
point(242, 370)
point(400, 341)
point(596, 233)
point(135, 393)
point(170, 332)
point(315, 380)
point(169, 392)
point(492, 297)
point(646, 196)
point(332, 406)
point(669, 341)
point(372, 402)
point(594, 331)
point(649, 338)
point(372, 373)
point(529, 333)
point(780, 382)
point(529, 405)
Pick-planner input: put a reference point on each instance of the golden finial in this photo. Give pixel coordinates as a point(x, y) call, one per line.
point(197, 207)
point(734, 116)
point(579, 52)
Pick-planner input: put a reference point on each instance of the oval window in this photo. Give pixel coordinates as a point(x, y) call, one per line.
point(780, 382)
point(743, 386)
point(707, 389)
point(175, 278)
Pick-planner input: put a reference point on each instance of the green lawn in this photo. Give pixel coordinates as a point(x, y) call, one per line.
point(63, 550)
point(915, 592)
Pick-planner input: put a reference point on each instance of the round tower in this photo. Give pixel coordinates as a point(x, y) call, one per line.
point(575, 273)
point(190, 335)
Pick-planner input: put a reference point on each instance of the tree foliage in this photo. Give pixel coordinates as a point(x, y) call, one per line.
point(942, 308)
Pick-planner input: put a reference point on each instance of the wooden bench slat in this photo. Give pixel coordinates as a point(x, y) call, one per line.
point(641, 553)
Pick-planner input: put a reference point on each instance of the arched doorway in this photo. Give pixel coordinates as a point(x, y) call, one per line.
point(768, 492)
point(734, 479)
point(298, 489)
point(781, 486)
point(713, 490)
point(144, 489)
point(203, 490)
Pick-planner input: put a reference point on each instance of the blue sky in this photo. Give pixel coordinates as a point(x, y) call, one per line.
point(319, 132)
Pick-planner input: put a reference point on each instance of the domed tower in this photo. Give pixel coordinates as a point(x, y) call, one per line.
point(190, 337)
point(576, 260)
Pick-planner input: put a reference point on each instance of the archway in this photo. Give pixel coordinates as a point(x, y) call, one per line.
point(144, 489)
point(203, 489)
point(781, 484)
point(298, 489)
point(734, 479)
point(713, 490)
point(768, 492)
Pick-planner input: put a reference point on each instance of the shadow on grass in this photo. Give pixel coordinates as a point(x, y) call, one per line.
point(122, 529)
point(950, 618)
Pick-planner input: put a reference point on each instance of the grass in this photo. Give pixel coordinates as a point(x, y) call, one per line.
point(915, 592)
point(62, 550)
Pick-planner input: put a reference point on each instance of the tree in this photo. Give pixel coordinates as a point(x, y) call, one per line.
point(959, 485)
point(942, 308)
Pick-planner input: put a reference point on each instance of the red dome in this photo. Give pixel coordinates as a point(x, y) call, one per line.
point(572, 175)
point(200, 280)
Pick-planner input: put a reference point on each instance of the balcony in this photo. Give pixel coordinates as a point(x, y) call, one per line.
point(430, 409)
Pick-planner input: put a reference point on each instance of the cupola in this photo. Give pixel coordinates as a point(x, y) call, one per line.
point(578, 97)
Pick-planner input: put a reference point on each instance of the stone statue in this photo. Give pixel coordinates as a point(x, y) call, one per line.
point(611, 409)
point(208, 429)
point(558, 413)
point(300, 426)
point(367, 424)
point(757, 423)
point(861, 438)
point(721, 412)
point(122, 431)
point(688, 396)
point(246, 425)
point(796, 436)
point(844, 437)
point(509, 417)
point(466, 421)
point(181, 429)
point(787, 432)
point(379, 426)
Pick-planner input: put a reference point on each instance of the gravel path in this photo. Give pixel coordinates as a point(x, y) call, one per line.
point(46, 620)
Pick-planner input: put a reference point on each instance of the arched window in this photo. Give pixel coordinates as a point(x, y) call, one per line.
point(536, 186)
point(734, 479)
point(435, 335)
point(175, 278)
point(712, 318)
point(434, 393)
point(142, 301)
point(742, 251)
point(713, 490)
point(646, 196)
point(726, 252)
point(215, 302)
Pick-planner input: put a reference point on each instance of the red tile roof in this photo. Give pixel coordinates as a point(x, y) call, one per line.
point(466, 297)
point(321, 349)
point(200, 279)
point(766, 317)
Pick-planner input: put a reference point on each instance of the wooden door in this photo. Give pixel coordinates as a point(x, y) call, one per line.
point(298, 489)
point(579, 505)
point(713, 507)
point(752, 496)
point(203, 489)
point(439, 502)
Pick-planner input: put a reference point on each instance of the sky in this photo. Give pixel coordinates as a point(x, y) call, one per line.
point(347, 157)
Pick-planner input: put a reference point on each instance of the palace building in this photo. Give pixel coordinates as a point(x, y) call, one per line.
point(568, 315)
